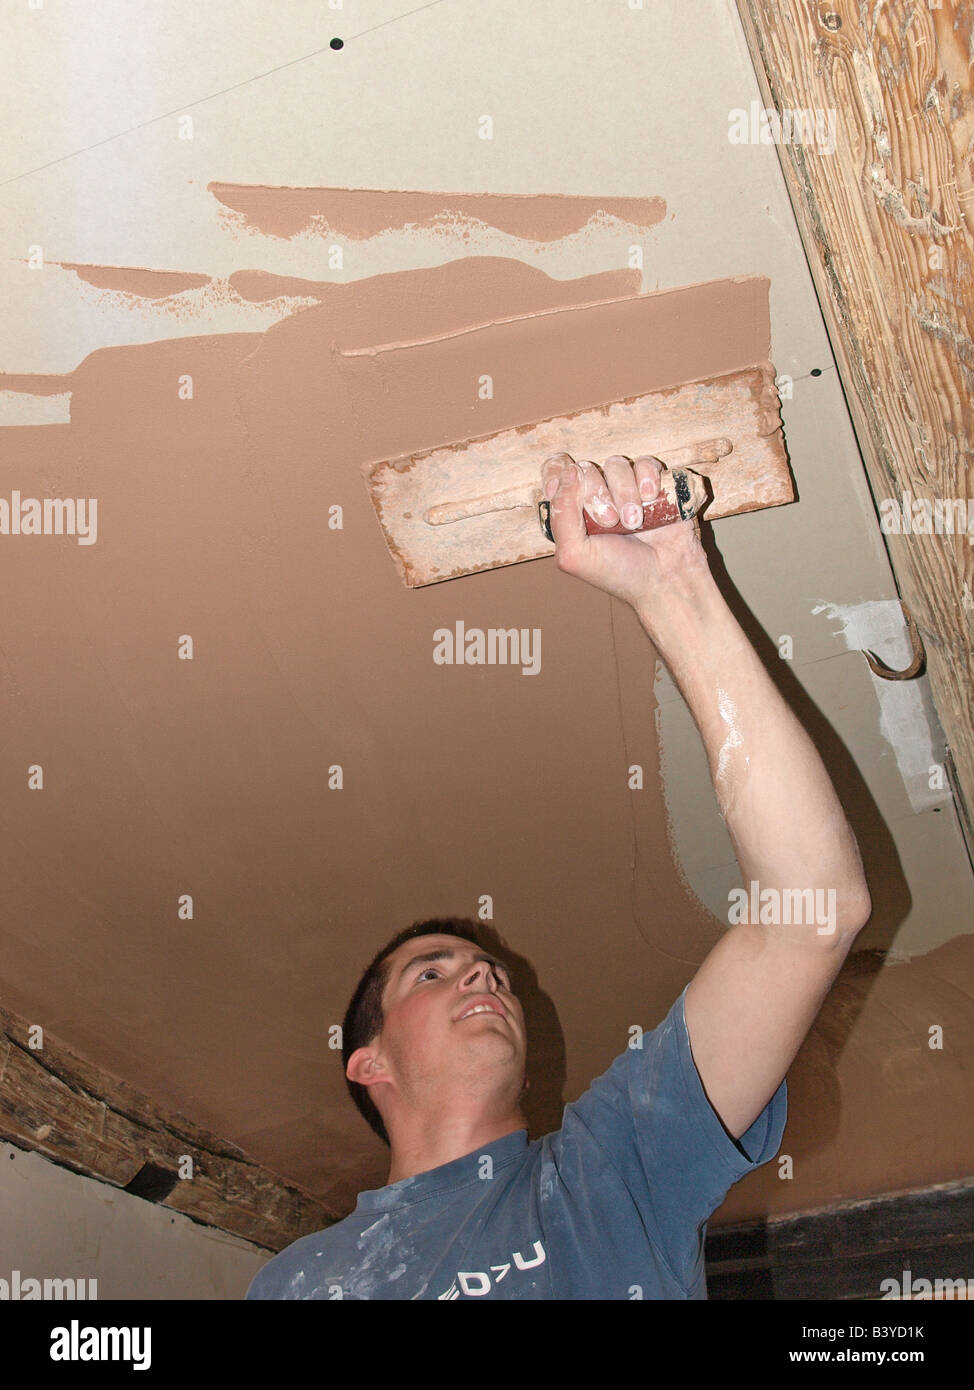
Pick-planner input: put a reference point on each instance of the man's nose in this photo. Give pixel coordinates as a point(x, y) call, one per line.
point(480, 974)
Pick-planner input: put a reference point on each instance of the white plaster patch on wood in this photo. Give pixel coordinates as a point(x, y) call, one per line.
point(907, 718)
point(18, 408)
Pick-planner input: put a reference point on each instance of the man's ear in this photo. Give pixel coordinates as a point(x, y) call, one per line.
point(365, 1066)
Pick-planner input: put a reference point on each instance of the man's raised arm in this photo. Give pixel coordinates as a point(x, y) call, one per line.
point(755, 996)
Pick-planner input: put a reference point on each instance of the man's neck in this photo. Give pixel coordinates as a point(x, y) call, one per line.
point(423, 1143)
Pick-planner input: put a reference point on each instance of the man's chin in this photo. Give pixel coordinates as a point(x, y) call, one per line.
point(494, 1050)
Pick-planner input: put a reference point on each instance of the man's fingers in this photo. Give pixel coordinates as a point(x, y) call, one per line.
point(562, 480)
point(648, 471)
point(551, 474)
point(624, 488)
point(596, 497)
point(616, 492)
point(561, 474)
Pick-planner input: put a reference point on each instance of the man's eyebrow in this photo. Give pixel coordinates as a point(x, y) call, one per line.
point(444, 953)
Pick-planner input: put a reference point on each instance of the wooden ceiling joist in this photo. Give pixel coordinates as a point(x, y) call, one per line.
point(62, 1107)
point(881, 178)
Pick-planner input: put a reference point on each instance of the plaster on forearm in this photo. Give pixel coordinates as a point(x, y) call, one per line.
point(729, 768)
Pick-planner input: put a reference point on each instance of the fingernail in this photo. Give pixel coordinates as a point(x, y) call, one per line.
point(646, 489)
point(551, 482)
point(631, 515)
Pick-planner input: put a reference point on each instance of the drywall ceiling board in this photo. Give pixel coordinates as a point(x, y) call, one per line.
point(212, 777)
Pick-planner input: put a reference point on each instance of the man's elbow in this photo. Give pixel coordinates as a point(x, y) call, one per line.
point(855, 908)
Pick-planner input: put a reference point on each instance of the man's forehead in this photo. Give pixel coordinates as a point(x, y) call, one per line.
point(424, 945)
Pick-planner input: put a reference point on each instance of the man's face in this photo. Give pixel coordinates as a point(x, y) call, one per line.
point(452, 1022)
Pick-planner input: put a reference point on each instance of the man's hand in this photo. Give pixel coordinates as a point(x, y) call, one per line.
point(633, 567)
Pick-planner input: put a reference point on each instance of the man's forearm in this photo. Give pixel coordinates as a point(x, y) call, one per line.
point(784, 818)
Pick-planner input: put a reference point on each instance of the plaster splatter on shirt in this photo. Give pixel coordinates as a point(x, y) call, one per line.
point(375, 1268)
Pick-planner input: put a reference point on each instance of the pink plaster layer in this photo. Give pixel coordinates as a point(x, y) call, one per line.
point(358, 213)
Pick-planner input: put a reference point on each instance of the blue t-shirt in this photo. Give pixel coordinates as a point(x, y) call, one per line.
point(614, 1205)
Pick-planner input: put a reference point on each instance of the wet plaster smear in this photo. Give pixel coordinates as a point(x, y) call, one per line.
point(311, 777)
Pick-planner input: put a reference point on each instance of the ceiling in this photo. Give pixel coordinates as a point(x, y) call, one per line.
point(213, 356)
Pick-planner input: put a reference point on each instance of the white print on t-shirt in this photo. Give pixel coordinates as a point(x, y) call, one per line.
point(475, 1283)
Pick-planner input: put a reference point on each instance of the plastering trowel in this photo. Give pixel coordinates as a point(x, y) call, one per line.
point(477, 504)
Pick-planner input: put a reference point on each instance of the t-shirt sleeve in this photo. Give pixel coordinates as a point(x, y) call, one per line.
point(649, 1117)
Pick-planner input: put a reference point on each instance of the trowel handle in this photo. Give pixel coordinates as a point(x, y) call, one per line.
point(682, 494)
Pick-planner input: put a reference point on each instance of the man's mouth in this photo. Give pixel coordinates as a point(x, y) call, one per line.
point(482, 1007)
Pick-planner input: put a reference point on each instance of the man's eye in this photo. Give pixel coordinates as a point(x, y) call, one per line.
point(428, 971)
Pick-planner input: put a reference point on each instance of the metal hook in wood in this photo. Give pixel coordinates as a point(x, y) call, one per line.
point(886, 673)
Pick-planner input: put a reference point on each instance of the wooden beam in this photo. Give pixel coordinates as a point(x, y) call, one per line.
point(886, 219)
point(66, 1109)
point(852, 1250)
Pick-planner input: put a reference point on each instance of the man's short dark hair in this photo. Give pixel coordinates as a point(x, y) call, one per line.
point(364, 1018)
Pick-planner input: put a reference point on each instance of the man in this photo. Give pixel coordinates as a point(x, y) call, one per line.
point(615, 1204)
